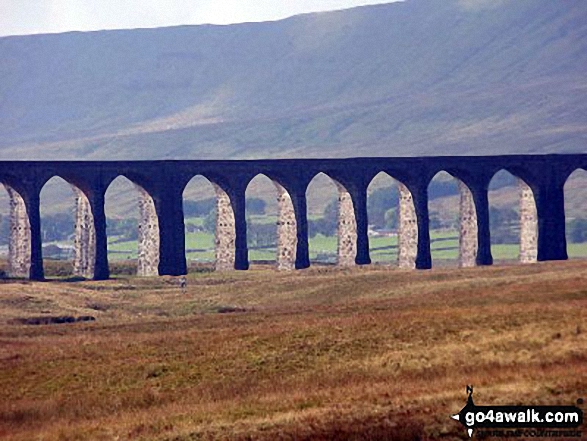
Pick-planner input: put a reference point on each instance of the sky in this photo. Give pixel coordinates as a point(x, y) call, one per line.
point(23, 17)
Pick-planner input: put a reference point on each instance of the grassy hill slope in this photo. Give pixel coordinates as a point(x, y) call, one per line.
point(409, 78)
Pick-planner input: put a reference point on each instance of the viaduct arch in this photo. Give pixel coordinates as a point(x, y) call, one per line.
point(541, 180)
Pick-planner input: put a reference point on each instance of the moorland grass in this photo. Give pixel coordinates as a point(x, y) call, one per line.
point(324, 353)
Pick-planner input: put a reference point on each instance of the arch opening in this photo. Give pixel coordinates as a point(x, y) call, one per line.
point(513, 219)
point(132, 227)
point(393, 225)
point(271, 224)
point(200, 220)
point(262, 217)
point(452, 222)
point(393, 228)
point(332, 227)
point(85, 236)
point(61, 238)
point(576, 214)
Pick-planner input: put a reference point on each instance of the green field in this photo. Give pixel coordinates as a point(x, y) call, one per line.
point(444, 246)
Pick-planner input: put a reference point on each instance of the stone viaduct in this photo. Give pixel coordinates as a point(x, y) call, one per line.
point(541, 180)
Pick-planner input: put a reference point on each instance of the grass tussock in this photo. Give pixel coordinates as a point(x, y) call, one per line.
point(321, 354)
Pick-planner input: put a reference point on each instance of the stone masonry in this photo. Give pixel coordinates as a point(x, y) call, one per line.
point(528, 224)
point(85, 236)
point(347, 228)
point(286, 230)
point(148, 248)
point(19, 247)
point(468, 228)
point(407, 229)
point(225, 231)
point(161, 224)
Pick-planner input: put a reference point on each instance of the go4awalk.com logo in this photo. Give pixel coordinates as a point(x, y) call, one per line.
point(520, 421)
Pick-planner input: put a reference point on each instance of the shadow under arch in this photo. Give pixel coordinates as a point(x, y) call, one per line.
point(575, 194)
point(148, 236)
point(467, 229)
point(501, 185)
point(400, 218)
point(285, 225)
point(346, 224)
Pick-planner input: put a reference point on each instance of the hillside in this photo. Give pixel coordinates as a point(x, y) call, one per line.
point(409, 78)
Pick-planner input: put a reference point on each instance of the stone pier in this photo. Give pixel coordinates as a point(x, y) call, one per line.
point(468, 242)
point(407, 229)
point(19, 247)
point(528, 224)
point(148, 249)
point(225, 240)
point(286, 231)
point(347, 228)
point(85, 236)
point(161, 249)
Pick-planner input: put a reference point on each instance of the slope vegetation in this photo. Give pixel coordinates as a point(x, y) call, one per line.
point(313, 355)
point(410, 78)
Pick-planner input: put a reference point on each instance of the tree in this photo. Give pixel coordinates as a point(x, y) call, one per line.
point(502, 217)
point(505, 225)
point(379, 202)
point(5, 230)
point(439, 189)
point(54, 252)
point(127, 229)
point(391, 219)
point(255, 206)
point(578, 231)
point(321, 226)
point(59, 226)
point(331, 212)
point(261, 235)
point(434, 222)
point(198, 208)
point(328, 223)
point(191, 228)
point(209, 224)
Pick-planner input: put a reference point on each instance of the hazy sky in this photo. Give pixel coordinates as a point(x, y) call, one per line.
point(19, 17)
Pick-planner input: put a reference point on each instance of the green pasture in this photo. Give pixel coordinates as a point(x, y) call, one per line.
point(444, 247)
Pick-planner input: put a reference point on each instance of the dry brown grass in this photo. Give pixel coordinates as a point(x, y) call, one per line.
point(317, 354)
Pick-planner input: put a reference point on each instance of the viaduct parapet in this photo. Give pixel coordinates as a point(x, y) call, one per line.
point(161, 184)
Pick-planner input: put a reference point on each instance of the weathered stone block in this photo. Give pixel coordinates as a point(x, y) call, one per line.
point(468, 229)
point(148, 249)
point(19, 247)
point(85, 236)
point(407, 229)
point(528, 224)
point(286, 230)
point(347, 228)
point(225, 231)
